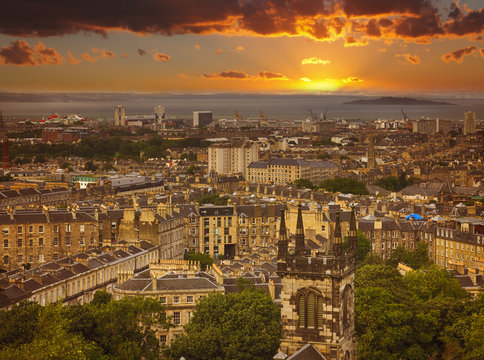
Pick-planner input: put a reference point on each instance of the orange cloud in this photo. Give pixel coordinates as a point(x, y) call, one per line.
point(124, 55)
point(305, 79)
point(73, 60)
point(351, 41)
point(351, 79)
point(219, 51)
point(158, 56)
point(482, 52)
point(21, 53)
point(458, 55)
point(86, 56)
point(314, 60)
point(412, 59)
point(197, 47)
point(182, 76)
point(104, 54)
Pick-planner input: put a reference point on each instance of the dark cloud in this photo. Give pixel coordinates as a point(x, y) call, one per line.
point(377, 7)
point(322, 19)
point(141, 52)
point(458, 55)
point(21, 53)
point(229, 74)
point(268, 75)
point(412, 59)
point(471, 23)
point(482, 52)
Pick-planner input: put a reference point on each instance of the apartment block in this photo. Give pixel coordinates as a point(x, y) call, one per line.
point(285, 171)
point(232, 157)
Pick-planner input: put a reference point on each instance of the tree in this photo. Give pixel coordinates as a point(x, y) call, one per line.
point(303, 184)
point(122, 329)
point(214, 199)
point(204, 259)
point(19, 324)
point(415, 259)
point(363, 246)
point(53, 341)
point(344, 185)
point(238, 326)
point(90, 166)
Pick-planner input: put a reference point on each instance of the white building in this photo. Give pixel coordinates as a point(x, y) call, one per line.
point(231, 158)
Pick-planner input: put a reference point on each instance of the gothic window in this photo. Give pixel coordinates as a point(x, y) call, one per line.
point(310, 309)
point(347, 306)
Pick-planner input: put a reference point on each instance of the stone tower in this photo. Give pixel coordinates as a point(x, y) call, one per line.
point(371, 164)
point(317, 296)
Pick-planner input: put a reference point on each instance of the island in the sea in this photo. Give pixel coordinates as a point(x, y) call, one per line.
point(390, 100)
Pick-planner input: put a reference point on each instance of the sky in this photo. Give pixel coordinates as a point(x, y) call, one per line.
point(270, 46)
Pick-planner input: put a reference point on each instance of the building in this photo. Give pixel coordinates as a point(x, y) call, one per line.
point(371, 154)
point(179, 284)
point(230, 230)
point(285, 171)
point(232, 157)
point(432, 126)
point(119, 116)
point(202, 118)
point(469, 123)
point(74, 279)
point(317, 296)
point(460, 241)
point(66, 135)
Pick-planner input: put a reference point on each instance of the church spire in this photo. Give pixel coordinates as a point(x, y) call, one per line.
point(353, 233)
point(300, 247)
point(282, 243)
point(337, 230)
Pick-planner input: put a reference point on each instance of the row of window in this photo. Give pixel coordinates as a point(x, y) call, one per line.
point(29, 259)
point(40, 228)
point(177, 299)
point(55, 242)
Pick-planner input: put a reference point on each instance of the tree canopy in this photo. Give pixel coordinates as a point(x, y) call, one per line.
point(238, 326)
point(344, 185)
point(422, 315)
point(103, 329)
point(214, 199)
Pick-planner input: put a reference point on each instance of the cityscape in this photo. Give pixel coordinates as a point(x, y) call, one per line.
point(242, 180)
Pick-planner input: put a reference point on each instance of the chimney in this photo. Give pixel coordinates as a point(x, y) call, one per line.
point(11, 212)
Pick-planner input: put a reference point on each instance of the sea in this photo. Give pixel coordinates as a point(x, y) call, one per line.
point(275, 106)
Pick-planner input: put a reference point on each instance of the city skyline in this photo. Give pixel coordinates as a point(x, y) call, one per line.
point(243, 46)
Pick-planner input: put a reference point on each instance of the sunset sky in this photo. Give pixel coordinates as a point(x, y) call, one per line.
point(242, 45)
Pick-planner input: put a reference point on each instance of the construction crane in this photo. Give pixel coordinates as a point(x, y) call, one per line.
point(313, 117)
point(237, 115)
point(405, 117)
point(262, 118)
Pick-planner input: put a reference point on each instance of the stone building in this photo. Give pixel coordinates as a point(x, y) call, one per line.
point(179, 284)
point(317, 295)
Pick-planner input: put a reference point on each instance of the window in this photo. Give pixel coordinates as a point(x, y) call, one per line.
point(189, 299)
point(5, 243)
point(56, 241)
point(82, 228)
point(56, 256)
point(19, 241)
point(31, 242)
point(92, 240)
point(20, 258)
point(68, 241)
point(5, 259)
point(41, 258)
point(41, 242)
point(19, 229)
point(5, 231)
point(310, 310)
point(31, 229)
point(41, 229)
point(163, 299)
point(56, 228)
point(81, 241)
point(176, 318)
point(176, 299)
point(189, 315)
point(163, 339)
point(68, 228)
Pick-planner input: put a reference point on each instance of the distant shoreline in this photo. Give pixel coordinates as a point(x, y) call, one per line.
point(390, 100)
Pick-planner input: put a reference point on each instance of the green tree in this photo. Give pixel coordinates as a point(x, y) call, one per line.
point(344, 185)
point(214, 199)
point(90, 166)
point(363, 246)
point(415, 259)
point(239, 326)
point(303, 184)
point(53, 341)
point(204, 259)
point(19, 324)
point(122, 329)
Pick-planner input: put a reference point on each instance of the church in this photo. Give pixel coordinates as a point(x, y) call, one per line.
point(317, 297)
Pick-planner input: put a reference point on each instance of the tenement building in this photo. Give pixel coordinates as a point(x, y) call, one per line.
point(285, 171)
point(317, 295)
